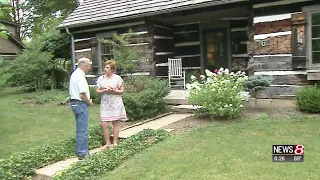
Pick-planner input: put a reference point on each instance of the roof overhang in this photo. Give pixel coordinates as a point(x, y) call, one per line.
point(151, 13)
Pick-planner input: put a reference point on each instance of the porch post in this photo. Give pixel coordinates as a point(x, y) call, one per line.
point(250, 44)
point(151, 52)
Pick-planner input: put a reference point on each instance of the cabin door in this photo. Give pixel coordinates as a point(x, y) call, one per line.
point(215, 48)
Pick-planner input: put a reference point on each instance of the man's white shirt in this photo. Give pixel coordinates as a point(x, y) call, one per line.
point(78, 84)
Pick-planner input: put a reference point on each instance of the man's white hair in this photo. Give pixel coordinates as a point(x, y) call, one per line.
point(83, 61)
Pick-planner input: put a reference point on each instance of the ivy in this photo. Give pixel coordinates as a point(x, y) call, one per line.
point(100, 163)
point(23, 164)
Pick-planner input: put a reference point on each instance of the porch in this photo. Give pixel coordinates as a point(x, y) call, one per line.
point(204, 38)
point(207, 38)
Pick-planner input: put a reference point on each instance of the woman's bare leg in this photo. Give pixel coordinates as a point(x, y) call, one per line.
point(116, 129)
point(106, 135)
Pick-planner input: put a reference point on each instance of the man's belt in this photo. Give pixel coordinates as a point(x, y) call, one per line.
point(75, 100)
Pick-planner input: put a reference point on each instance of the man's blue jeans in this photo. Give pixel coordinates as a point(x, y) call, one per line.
point(81, 111)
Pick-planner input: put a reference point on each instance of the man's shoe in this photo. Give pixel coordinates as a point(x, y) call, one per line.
point(83, 157)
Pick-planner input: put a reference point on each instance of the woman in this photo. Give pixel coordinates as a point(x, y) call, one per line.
point(112, 109)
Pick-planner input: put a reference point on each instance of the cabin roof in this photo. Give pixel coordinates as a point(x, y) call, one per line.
point(100, 11)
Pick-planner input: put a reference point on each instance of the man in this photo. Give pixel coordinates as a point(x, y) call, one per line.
point(80, 102)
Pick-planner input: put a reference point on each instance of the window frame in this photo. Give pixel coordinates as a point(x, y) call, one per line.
point(99, 54)
point(309, 10)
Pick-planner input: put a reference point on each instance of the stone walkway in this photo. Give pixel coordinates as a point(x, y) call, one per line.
point(48, 172)
point(156, 124)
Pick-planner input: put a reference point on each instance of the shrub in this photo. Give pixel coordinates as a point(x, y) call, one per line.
point(219, 93)
point(41, 64)
point(30, 70)
point(308, 99)
point(4, 72)
point(23, 164)
point(96, 165)
point(96, 98)
point(143, 97)
point(190, 73)
point(256, 83)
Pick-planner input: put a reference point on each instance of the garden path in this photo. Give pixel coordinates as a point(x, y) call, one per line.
point(49, 171)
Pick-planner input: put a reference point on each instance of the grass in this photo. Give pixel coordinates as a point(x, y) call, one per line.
point(239, 150)
point(25, 123)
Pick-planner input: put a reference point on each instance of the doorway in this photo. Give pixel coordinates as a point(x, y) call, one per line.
point(215, 53)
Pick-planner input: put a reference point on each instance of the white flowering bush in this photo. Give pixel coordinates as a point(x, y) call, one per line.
point(219, 93)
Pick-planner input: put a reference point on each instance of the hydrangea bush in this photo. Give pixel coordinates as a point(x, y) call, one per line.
point(220, 93)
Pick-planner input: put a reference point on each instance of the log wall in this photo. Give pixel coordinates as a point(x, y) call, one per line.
point(86, 45)
point(277, 48)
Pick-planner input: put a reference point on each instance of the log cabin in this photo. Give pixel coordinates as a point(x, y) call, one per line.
point(278, 38)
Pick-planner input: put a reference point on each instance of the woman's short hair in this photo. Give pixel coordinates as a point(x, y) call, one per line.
point(112, 64)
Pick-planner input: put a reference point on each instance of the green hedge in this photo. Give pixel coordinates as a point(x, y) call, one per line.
point(143, 97)
point(96, 165)
point(23, 164)
point(308, 99)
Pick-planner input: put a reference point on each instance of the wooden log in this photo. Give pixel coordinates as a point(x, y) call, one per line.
point(239, 23)
point(272, 63)
point(137, 28)
point(299, 62)
point(163, 32)
point(239, 64)
point(163, 58)
point(298, 40)
point(164, 45)
point(187, 50)
point(191, 61)
point(82, 44)
point(150, 40)
point(290, 80)
point(189, 37)
point(162, 70)
point(188, 27)
point(287, 78)
point(238, 48)
point(273, 45)
point(299, 18)
point(272, 27)
point(275, 90)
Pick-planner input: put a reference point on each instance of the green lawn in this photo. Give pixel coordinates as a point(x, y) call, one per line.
point(238, 150)
point(23, 126)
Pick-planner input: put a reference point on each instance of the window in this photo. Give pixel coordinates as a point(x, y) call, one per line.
point(313, 35)
point(104, 50)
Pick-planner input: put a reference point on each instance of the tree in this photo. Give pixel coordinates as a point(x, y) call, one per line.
point(33, 15)
point(40, 66)
point(4, 72)
point(20, 13)
point(3, 5)
point(45, 11)
point(3, 32)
